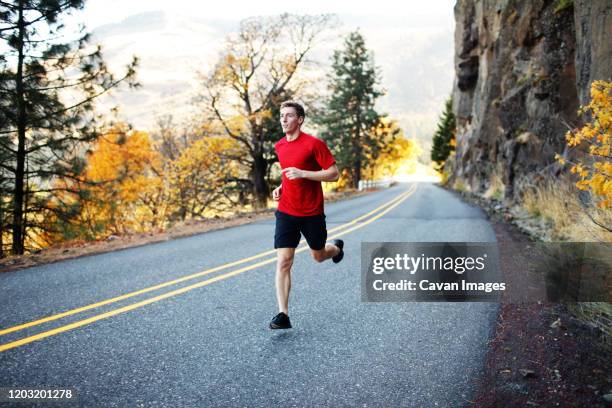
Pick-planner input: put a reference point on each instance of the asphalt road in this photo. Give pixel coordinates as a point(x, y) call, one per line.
point(210, 345)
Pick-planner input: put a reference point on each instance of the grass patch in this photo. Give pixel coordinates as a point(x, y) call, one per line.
point(461, 186)
point(523, 80)
point(563, 5)
point(496, 188)
point(556, 201)
point(598, 314)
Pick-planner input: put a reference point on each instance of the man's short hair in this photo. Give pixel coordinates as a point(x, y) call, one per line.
point(299, 109)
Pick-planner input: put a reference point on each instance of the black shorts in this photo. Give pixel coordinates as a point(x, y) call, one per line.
point(289, 227)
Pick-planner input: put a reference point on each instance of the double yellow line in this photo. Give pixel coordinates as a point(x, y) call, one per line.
point(345, 228)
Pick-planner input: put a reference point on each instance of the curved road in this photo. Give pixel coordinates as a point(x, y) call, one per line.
point(203, 340)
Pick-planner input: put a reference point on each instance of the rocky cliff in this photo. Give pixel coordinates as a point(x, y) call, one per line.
point(522, 70)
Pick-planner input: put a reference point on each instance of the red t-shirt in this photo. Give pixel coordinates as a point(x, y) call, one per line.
point(302, 197)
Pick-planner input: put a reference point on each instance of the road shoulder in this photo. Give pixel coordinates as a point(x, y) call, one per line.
point(540, 354)
point(81, 248)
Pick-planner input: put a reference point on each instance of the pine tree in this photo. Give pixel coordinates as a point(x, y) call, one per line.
point(48, 89)
point(444, 137)
point(350, 119)
point(4, 197)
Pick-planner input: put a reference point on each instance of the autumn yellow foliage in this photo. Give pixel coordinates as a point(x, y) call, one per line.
point(131, 184)
point(199, 177)
point(595, 170)
point(390, 159)
point(146, 190)
point(119, 192)
point(127, 193)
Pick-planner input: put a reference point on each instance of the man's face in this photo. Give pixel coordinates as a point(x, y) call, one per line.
point(289, 119)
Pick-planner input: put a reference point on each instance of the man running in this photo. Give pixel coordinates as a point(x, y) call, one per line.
point(305, 162)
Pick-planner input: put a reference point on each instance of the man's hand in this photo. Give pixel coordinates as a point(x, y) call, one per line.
point(276, 193)
point(294, 173)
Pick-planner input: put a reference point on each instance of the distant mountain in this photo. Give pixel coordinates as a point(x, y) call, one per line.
point(415, 56)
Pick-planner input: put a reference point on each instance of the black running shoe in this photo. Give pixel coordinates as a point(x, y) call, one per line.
point(340, 244)
point(280, 321)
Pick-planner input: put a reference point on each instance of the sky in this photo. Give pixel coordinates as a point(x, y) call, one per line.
point(99, 12)
point(412, 44)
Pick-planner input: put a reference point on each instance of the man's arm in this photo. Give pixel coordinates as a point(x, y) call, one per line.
point(276, 193)
point(330, 174)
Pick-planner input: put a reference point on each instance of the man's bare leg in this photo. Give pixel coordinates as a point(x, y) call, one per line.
point(329, 251)
point(283, 277)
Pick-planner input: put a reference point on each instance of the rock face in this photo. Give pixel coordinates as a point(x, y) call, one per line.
point(593, 19)
point(522, 70)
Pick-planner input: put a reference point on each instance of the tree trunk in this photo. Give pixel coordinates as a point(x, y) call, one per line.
point(357, 173)
point(1, 225)
point(357, 153)
point(261, 191)
point(183, 205)
point(17, 247)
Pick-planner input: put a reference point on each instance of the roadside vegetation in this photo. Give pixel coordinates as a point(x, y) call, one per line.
point(70, 173)
point(574, 206)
